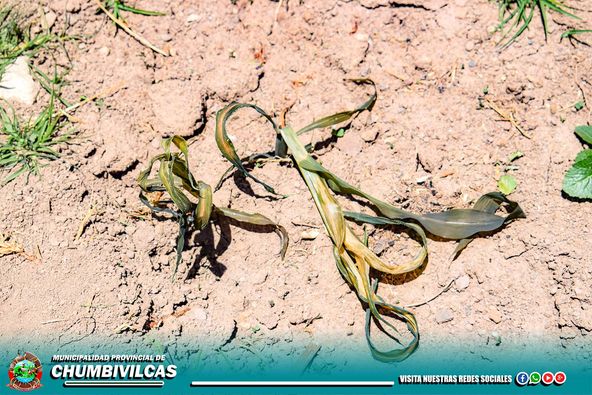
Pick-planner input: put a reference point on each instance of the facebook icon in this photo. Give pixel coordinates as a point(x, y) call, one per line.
point(522, 378)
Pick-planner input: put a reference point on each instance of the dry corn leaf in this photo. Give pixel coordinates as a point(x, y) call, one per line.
point(353, 257)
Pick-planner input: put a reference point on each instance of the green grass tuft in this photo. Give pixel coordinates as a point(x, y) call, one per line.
point(116, 6)
point(26, 145)
point(16, 39)
point(515, 16)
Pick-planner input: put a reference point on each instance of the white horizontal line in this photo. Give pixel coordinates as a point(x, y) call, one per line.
point(292, 383)
point(113, 383)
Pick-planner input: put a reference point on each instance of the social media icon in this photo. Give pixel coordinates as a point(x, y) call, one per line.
point(535, 378)
point(522, 378)
point(548, 378)
point(560, 378)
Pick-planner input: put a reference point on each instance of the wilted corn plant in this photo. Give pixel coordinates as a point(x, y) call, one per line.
point(353, 257)
point(175, 178)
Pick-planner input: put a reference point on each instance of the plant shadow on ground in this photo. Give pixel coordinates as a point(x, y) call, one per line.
point(244, 186)
point(400, 279)
point(574, 199)
point(211, 250)
point(205, 239)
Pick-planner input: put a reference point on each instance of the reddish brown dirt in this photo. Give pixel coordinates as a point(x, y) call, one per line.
point(530, 281)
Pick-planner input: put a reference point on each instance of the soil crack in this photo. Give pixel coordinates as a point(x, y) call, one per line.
point(395, 4)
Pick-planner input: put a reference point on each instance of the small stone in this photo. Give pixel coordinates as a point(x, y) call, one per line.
point(104, 51)
point(17, 83)
point(193, 18)
point(155, 264)
point(444, 315)
point(269, 320)
point(423, 179)
point(361, 37)
point(309, 234)
point(462, 283)
point(369, 135)
point(472, 64)
point(424, 63)
point(198, 314)
point(244, 320)
point(380, 246)
point(470, 46)
point(122, 328)
point(494, 315)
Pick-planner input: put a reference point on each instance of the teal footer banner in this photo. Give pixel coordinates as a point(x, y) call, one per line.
point(108, 368)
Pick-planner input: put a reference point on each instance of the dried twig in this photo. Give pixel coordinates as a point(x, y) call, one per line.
point(53, 321)
point(102, 94)
point(91, 326)
point(275, 16)
point(128, 30)
point(508, 117)
point(446, 288)
point(85, 221)
point(8, 246)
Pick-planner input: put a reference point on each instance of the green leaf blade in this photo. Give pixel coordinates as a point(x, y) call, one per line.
point(578, 179)
point(507, 184)
point(585, 133)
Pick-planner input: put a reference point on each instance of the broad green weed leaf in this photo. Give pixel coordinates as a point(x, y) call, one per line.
point(507, 184)
point(339, 132)
point(578, 179)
